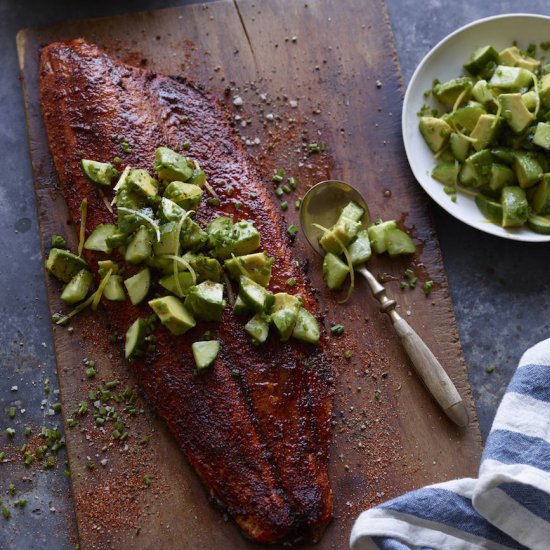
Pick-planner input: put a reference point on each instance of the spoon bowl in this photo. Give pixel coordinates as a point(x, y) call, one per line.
point(322, 205)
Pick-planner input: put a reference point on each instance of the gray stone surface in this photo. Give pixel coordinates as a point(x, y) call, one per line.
point(500, 289)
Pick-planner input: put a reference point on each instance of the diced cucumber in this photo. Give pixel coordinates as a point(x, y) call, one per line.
point(306, 328)
point(527, 169)
point(515, 208)
point(221, 236)
point(541, 197)
point(98, 238)
point(335, 271)
point(169, 283)
point(491, 209)
point(485, 132)
point(101, 173)
point(114, 290)
point(205, 354)
point(435, 132)
point(169, 211)
point(513, 57)
point(480, 163)
point(448, 92)
point(284, 313)
point(192, 236)
point(343, 231)
point(501, 176)
point(482, 93)
point(542, 135)
point(169, 240)
point(240, 307)
point(460, 146)
point(446, 173)
point(514, 112)
point(140, 247)
point(77, 288)
point(139, 181)
point(398, 242)
point(360, 249)
point(254, 295)
point(135, 337)
point(257, 266)
point(377, 235)
point(173, 314)
point(482, 62)
point(510, 78)
point(352, 211)
point(64, 265)
point(468, 115)
point(184, 194)
point(258, 327)
point(539, 224)
point(138, 285)
point(246, 238)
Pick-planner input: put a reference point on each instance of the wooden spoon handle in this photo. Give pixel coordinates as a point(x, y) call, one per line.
point(427, 366)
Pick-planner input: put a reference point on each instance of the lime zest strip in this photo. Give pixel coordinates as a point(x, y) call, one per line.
point(99, 292)
point(348, 260)
point(184, 263)
point(242, 269)
point(230, 295)
point(144, 217)
point(82, 234)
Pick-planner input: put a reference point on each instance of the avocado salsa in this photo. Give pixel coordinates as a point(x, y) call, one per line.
point(491, 135)
point(183, 268)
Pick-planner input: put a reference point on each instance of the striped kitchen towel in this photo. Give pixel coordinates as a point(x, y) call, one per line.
point(507, 506)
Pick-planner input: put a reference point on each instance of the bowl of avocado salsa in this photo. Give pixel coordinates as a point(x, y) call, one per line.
point(476, 125)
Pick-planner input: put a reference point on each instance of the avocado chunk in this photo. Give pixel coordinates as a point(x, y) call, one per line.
point(100, 173)
point(171, 166)
point(544, 90)
point(514, 112)
point(140, 247)
point(510, 78)
point(515, 208)
point(135, 337)
point(340, 234)
point(527, 168)
point(64, 265)
point(460, 146)
point(468, 115)
point(258, 328)
point(256, 266)
point(220, 236)
point(169, 211)
point(240, 307)
point(513, 57)
point(448, 92)
point(169, 241)
point(255, 296)
point(138, 286)
point(435, 132)
point(140, 182)
point(205, 354)
point(205, 267)
point(184, 194)
point(446, 173)
point(185, 282)
point(480, 164)
point(306, 328)
point(482, 61)
point(485, 132)
point(113, 289)
point(98, 238)
point(77, 288)
point(398, 242)
point(360, 249)
point(501, 176)
point(482, 93)
point(542, 135)
point(246, 238)
point(192, 236)
point(284, 314)
point(541, 196)
point(530, 100)
point(335, 271)
point(173, 314)
point(377, 235)
point(205, 301)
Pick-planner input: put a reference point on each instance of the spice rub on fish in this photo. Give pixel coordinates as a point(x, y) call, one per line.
point(256, 426)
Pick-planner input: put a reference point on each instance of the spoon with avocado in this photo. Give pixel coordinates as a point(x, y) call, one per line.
point(335, 220)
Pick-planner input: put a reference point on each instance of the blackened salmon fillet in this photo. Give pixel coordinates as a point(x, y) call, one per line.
point(256, 427)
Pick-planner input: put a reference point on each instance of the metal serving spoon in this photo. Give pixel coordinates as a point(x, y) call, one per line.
point(322, 205)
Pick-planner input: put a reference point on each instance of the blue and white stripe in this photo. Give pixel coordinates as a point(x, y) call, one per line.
point(507, 506)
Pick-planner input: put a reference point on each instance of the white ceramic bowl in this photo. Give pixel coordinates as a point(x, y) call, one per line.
point(444, 62)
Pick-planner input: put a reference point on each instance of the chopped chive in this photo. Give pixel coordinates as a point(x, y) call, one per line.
point(292, 230)
point(6, 512)
point(287, 189)
point(112, 338)
point(186, 145)
point(56, 407)
point(71, 422)
point(47, 386)
point(293, 182)
point(284, 206)
point(147, 480)
point(90, 465)
point(278, 177)
point(145, 439)
point(427, 287)
point(403, 285)
point(279, 192)
point(12, 412)
point(408, 273)
point(27, 431)
point(117, 160)
point(58, 241)
point(213, 201)
point(90, 372)
point(238, 205)
point(298, 204)
point(2, 455)
point(112, 385)
point(82, 408)
point(124, 436)
point(230, 191)
point(10, 432)
point(291, 282)
point(29, 459)
point(337, 329)
point(413, 281)
point(99, 421)
point(490, 369)
point(116, 434)
point(21, 503)
point(11, 489)
point(347, 354)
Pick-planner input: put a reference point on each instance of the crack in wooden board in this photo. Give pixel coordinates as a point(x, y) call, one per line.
point(388, 434)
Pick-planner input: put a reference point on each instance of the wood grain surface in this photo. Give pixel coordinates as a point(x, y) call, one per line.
point(338, 62)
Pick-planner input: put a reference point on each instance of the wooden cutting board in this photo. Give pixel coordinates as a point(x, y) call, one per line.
point(338, 61)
